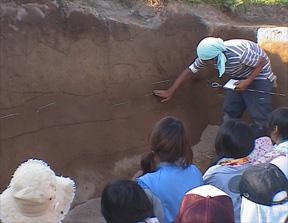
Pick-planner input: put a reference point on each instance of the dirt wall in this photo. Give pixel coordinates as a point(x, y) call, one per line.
point(76, 86)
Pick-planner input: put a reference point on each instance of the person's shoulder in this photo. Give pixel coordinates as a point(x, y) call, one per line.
point(237, 41)
point(238, 46)
point(225, 169)
point(145, 180)
point(211, 171)
point(195, 168)
point(282, 147)
point(149, 175)
point(219, 174)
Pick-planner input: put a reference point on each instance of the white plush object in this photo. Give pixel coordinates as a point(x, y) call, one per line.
point(36, 195)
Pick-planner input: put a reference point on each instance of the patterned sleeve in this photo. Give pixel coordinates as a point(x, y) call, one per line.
point(250, 58)
point(196, 65)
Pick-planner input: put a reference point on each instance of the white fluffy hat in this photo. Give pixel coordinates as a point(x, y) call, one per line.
point(36, 195)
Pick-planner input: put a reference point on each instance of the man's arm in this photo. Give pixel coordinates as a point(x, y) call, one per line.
point(243, 84)
point(167, 94)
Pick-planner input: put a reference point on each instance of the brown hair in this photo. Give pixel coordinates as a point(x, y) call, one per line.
point(168, 141)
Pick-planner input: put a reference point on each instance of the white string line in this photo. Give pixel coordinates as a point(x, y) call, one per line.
point(53, 103)
point(121, 103)
point(159, 82)
point(45, 106)
point(9, 115)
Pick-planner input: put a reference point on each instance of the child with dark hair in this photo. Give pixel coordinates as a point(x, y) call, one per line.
point(124, 201)
point(278, 126)
point(168, 169)
point(234, 142)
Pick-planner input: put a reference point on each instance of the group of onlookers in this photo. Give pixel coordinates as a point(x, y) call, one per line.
point(247, 182)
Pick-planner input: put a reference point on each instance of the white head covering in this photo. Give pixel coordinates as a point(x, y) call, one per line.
point(36, 195)
point(282, 163)
point(253, 212)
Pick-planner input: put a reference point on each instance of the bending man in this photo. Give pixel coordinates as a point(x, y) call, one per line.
point(243, 60)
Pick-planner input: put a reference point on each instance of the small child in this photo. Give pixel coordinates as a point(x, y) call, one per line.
point(264, 150)
point(234, 142)
point(278, 125)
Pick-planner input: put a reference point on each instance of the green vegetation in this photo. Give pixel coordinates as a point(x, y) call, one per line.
point(224, 5)
point(232, 5)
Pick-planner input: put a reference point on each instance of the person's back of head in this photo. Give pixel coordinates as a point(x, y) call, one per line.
point(264, 191)
point(235, 139)
point(124, 201)
point(278, 124)
point(206, 204)
point(168, 143)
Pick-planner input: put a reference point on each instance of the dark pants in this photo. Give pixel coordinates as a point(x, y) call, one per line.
point(257, 104)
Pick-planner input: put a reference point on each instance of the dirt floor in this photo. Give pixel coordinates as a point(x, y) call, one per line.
point(76, 82)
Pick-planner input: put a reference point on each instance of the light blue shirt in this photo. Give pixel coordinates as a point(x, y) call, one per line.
point(219, 176)
point(169, 183)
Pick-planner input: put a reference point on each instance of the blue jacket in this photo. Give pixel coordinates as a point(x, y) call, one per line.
point(219, 176)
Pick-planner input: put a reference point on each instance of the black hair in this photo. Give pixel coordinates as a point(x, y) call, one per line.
point(279, 118)
point(124, 201)
point(235, 139)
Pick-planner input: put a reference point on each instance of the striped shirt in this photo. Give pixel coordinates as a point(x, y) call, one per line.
point(242, 58)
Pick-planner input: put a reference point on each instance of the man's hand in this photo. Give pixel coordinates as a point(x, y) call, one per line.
point(166, 94)
point(242, 85)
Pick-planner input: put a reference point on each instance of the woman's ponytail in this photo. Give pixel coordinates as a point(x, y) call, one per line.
point(148, 164)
